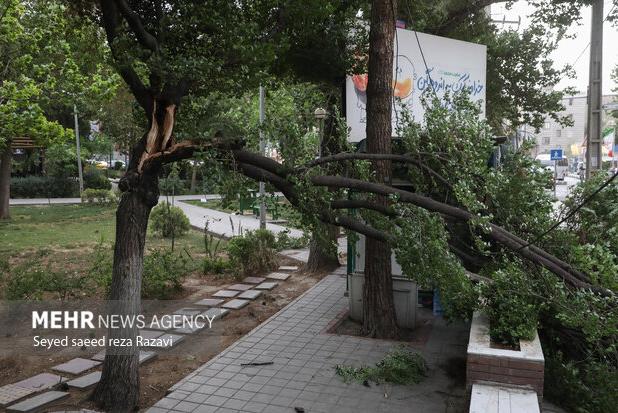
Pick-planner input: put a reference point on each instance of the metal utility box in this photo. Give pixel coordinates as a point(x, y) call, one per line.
point(404, 290)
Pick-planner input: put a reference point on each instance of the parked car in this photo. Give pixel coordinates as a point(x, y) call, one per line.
point(560, 167)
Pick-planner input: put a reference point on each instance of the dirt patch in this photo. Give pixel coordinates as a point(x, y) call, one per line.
point(159, 374)
point(416, 337)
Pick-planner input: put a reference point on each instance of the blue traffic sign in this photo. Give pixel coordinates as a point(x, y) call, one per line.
point(555, 154)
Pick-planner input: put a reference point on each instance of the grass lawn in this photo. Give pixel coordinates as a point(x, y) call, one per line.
point(72, 227)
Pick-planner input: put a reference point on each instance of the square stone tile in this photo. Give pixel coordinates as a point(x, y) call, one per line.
point(188, 311)
point(41, 381)
point(266, 286)
point(210, 302)
point(250, 294)
point(278, 276)
point(85, 381)
point(150, 334)
point(253, 280)
point(76, 366)
point(235, 304)
point(100, 356)
point(37, 402)
point(217, 313)
point(288, 268)
point(11, 393)
point(145, 356)
point(226, 293)
point(190, 329)
point(240, 287)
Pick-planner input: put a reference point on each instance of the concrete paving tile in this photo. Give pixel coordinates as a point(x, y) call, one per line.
point(253, 280)
point(41, 381)
point(11, 393)
point(217, 313)
point(185, 406)
point(150, 334)
point(145, 356)
point(278, 276)
point(255, 407)
point(100, 356)
point(235, 304)
point(85, 381)
point(37, 402)
point(210, 302)
point(190, 329)
point(240, 287)
point(288, 268)
point(234, 404)
point(266, 286)
point(76, 366)
point(205, 408)
point(250, 294)
point(226, 293)
point(188, 311)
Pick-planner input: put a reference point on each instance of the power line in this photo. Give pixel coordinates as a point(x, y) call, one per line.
point(570, 214)
point(588, 45)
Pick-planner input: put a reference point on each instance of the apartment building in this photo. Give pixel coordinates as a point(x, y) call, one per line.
point(569, 138)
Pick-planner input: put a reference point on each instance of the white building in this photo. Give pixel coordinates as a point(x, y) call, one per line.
point(570, 138)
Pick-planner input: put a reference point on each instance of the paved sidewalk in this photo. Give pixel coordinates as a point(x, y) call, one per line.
point(224, 224)
point(303, 370)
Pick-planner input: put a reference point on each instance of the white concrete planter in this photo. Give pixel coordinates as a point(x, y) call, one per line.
point(404, 295)
point(524, 367)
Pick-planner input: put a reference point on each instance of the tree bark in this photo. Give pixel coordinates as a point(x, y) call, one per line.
point(379, 318)
point(118, 389)
point(323, 254)
point(5, 180)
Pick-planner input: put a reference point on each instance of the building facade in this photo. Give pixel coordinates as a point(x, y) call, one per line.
point(572, 139)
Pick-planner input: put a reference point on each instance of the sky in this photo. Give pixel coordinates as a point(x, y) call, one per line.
point(569, 49)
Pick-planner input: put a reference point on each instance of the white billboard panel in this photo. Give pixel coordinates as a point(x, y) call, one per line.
point(452, 65)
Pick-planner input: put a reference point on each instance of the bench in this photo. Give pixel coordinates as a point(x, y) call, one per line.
point(488, 398)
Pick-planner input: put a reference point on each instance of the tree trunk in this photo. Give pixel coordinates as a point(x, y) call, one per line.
point(323, 254)
point(118, 389)
point(5, 180)
point(378, 307)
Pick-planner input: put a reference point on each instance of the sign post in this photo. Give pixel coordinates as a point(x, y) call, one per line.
point(555, 155)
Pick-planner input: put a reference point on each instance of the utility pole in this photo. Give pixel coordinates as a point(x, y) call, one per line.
point(79, 155)
point(594, 154)
point(262, 152)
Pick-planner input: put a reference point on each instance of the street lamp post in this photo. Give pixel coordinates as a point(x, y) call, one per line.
point(320, 114)
point(79, 155)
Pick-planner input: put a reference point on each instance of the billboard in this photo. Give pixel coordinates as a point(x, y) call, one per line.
point(452, 65)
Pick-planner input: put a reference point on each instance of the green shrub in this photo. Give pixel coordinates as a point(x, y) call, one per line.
point(167, 221)
point(30, 281)
point(102, 264)
point(99, 196)
point(584, 387)
point(163, 274)
point(284, 241)
point(43, 187)
point(253, 252)
point(513, 314)
point(215, 265)
point(95, 179)
point(399, 366)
